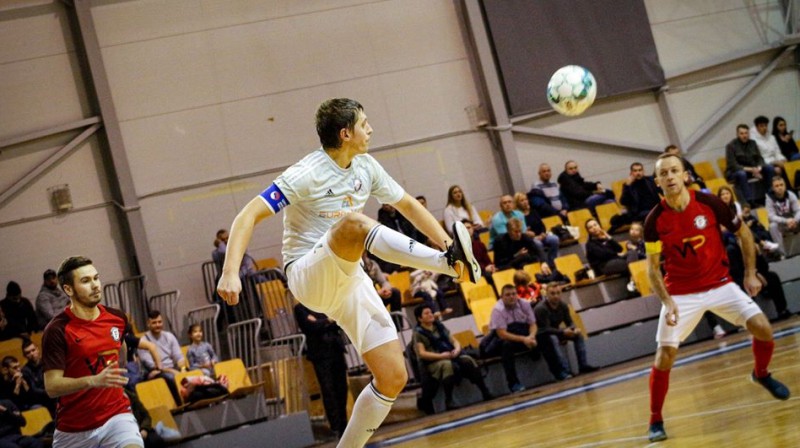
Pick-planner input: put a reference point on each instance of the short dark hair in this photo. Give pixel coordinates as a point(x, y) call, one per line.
point(152, 314)
point(49, 274)
point(420, 309)
point(670, 146)
point(742, 126)
point(8, 360)
point(421, 197)
point(13, 289)
point(67, 268)
point(761, 120)
point(192, 327)
point(332, 116)
point(26, 343)
point(507, 286)
point(636, 164)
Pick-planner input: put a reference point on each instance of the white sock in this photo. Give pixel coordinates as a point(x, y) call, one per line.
point(369, 411)
point(397, 248)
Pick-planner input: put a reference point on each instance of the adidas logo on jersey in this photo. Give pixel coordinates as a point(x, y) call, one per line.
point(329, 192)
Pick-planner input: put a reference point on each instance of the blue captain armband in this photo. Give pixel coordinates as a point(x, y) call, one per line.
point(274, 198)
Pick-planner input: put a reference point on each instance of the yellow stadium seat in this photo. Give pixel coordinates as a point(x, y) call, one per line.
point(467, 287)
point(482, 313)
point(504, 277)
point(483, 292)
point(484, 237)
point(638, 271)
point(466, 338)
point(486, 217)
point(35, 421)
point(402, 281)
point(533, 269)
point(267, 263)
point(568, 265)
point(714, 185)
point(763, 217)
point(607, 211)
point(155, 392)
point(792, 168)
point(705, 170)
point(722, 163)
point(551, 221)
point(239, 383)
point(578, 321)
point(617, 187)
point(578, 218)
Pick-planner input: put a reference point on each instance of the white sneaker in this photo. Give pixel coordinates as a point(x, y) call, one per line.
point(719, 332)
point(631, 286)
point(770, 246)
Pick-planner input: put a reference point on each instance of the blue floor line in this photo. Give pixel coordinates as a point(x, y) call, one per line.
point(566, 393)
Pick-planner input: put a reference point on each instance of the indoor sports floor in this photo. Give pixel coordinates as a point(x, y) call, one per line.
point(711, 403)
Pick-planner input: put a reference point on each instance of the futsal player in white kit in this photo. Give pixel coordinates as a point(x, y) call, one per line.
point(324, 236)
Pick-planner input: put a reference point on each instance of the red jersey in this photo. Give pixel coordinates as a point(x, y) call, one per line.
point(83, 348)
point(691, 243)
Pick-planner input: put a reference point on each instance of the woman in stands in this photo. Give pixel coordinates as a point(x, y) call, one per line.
point(785, 139)
point(605, 255)
point(458, 208)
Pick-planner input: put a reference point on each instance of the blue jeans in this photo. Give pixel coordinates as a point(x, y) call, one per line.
point(556, 356)
point(547, 249)
point(598, 199)
point(740, 180)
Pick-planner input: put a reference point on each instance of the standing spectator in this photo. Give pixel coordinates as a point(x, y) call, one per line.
point(784, 212)
point(51, 299)
point(172, 359)
point(458, 209)
point(536, 229)
point(743, 162)
point(515, 249)
point(767, 144)
point(81, 348)
point(551, 313)
point(389, 294)
point(439, 353)
point(500, 219)
point(325, 349)
point(640, 193)
point(18, 311)
point(200, 353)
point(581, 193)
point(513, 330)
point(694, 178)
point(33, 373)
point(551, 201)
point(603, 252)
point(11, 421)
point(785, 139)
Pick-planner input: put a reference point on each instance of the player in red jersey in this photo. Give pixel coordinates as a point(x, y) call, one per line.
point(685, 229)
point(82, 347)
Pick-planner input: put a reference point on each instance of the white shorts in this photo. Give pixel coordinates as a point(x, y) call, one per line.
point(319, 282)
point(728, 302)
point(119, 431)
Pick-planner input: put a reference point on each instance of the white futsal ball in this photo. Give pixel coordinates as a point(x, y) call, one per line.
point(571, 90)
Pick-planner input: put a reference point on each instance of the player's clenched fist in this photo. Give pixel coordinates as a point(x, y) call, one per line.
point(229, 287)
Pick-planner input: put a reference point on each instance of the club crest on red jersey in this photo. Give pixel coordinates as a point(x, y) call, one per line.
point(115, 334)
point(700, 222)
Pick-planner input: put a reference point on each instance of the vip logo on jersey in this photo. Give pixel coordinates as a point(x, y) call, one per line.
point(347, 202)
point(357, 185)
point(691, 244)
point(115, 334)
point(700, 222)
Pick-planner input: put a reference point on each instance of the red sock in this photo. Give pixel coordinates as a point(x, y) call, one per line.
point(659, 384)
point(762, 352)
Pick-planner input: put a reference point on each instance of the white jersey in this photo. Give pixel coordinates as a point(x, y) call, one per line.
point(320, 192)
point(767, 146)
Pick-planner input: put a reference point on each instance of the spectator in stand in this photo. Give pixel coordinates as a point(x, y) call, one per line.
point(33, 373)
point(784, 212)
point(527, 289)
point(481, 253)
point(513, 330)
point(221, 247)
point(11, 421)
point(325, 349)
point(51, 299)
point(744, 161)
point(458, 209)
point(640, 193)
point(694, 178)
point(581, 193)
point(760, 234)
point(785, 139)
point(515, 249)
point(603, 252)
point(536, 230)
point(389, 294)
point(151, 437)
point(17, 388)
point(725, 194)
point(200, 353)
point(439, 353)
point(135, 372)
point(551, 313)
point(424, 286)
point(18, 311)
point(391, 218)
point(172, 359)
point(500, 219)
point(546, 196)
point(5, 329)
point(635, 243)
point(767, 144)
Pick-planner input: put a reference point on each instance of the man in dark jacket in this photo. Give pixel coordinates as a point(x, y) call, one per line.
point(745, 162)
point(640, 193)
point(581, 193)
point(18, 311)
point(11, 420)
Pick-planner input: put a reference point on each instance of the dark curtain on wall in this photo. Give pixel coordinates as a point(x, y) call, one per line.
point(533, 38)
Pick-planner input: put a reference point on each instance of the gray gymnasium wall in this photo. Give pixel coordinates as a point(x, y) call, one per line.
point(216, 97)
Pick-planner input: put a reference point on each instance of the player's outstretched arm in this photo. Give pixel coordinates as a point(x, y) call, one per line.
point(230, 285)
point(658, 286)
point(751, 283)
point(56, 384)
point(423, 220)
